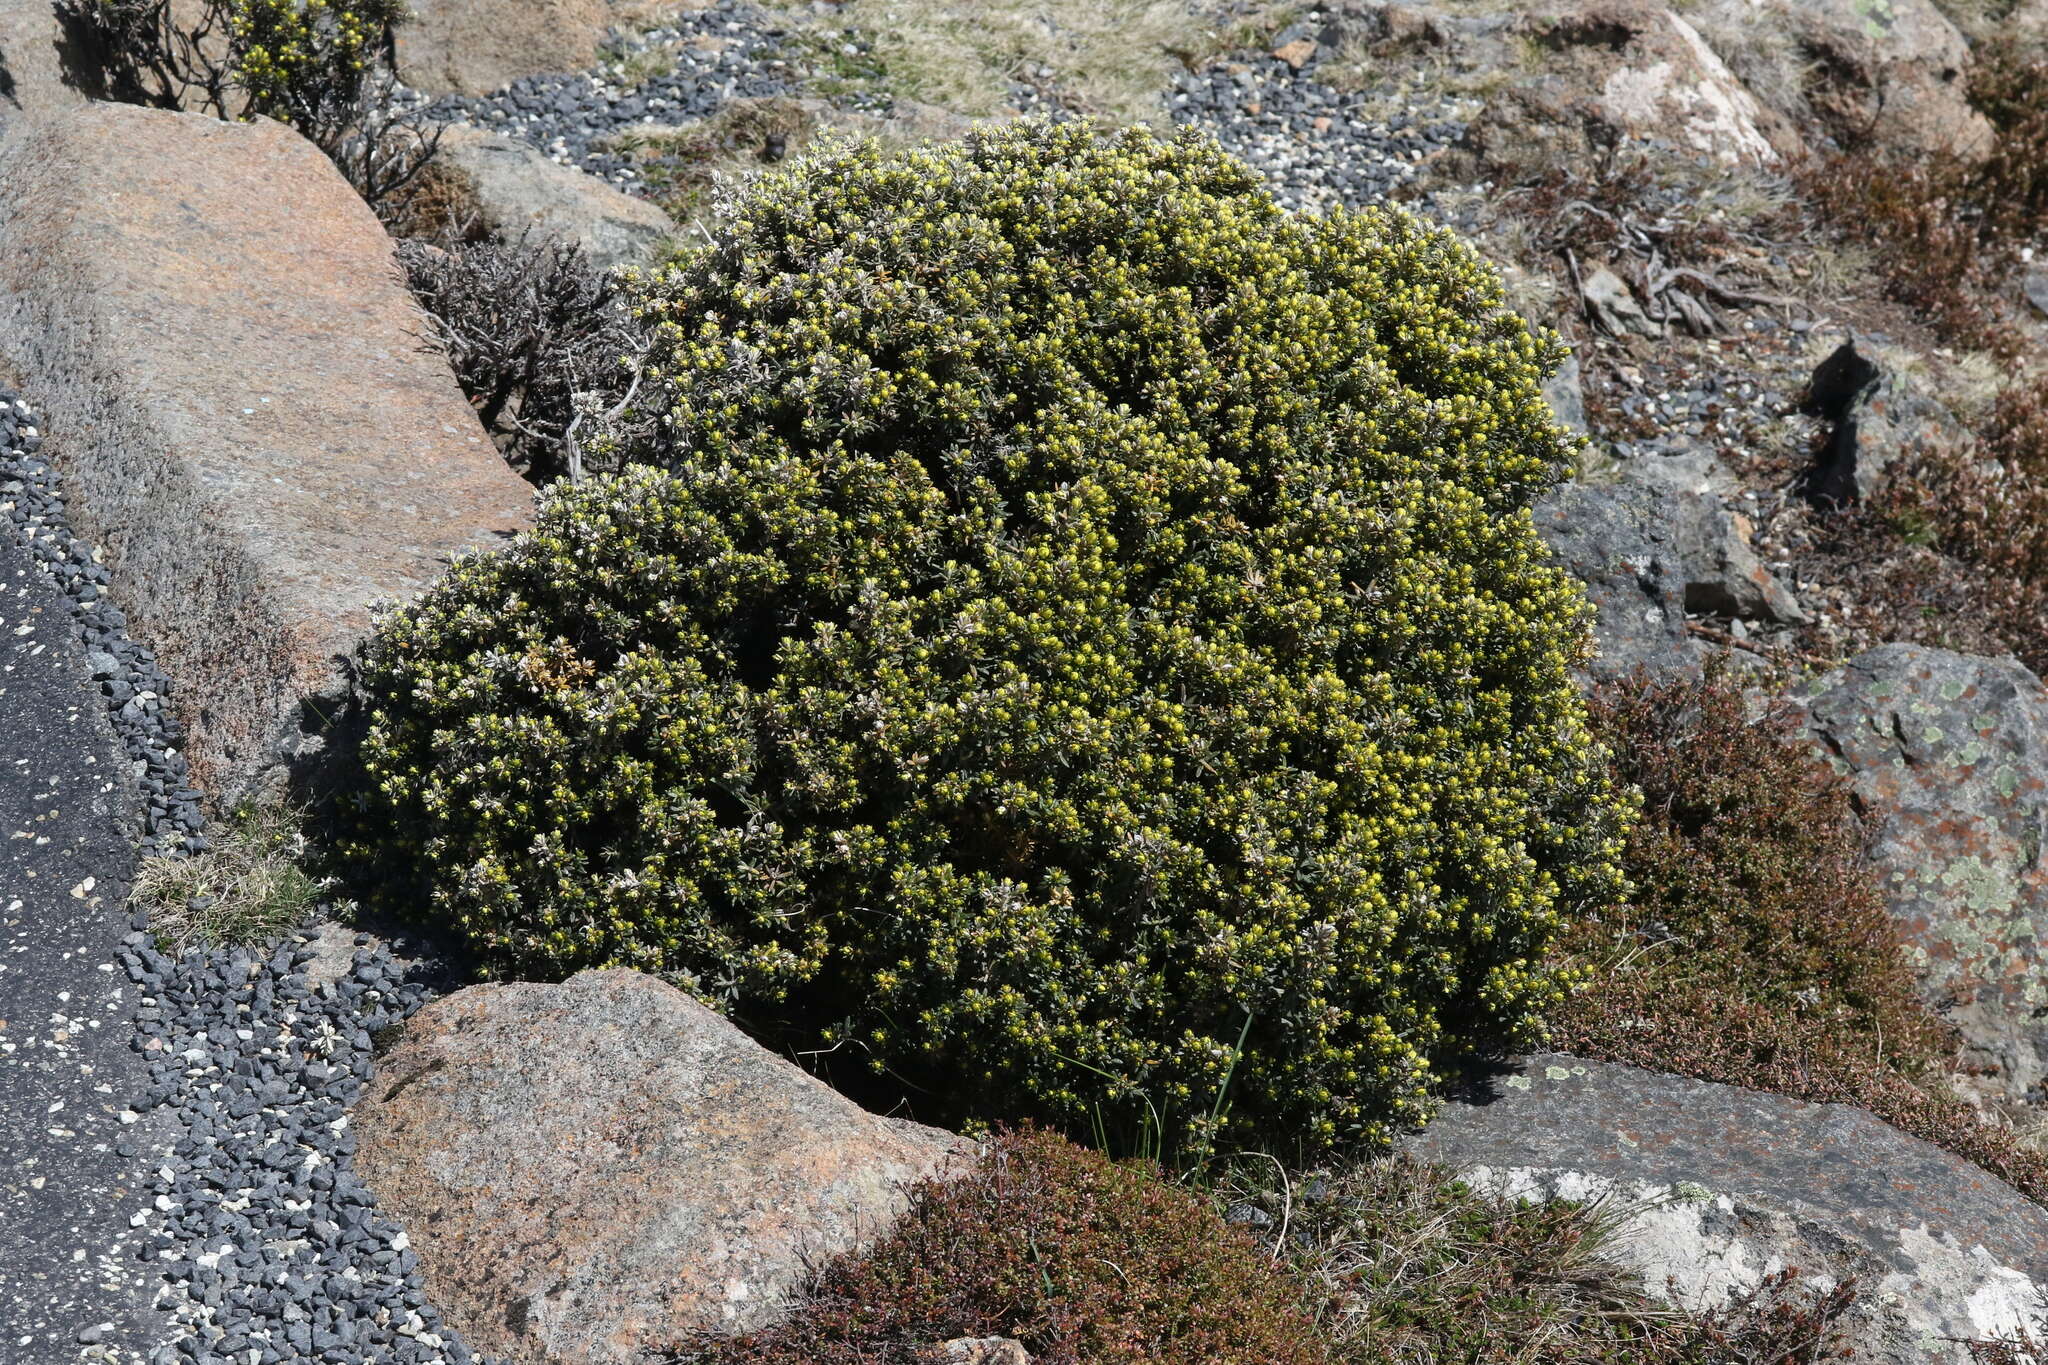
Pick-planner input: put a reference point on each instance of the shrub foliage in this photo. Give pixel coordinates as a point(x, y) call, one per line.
point(237, 58)
point(1952, 231)
point(1088, 618)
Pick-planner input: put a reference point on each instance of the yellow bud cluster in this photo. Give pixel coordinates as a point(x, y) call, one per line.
point(299, 60)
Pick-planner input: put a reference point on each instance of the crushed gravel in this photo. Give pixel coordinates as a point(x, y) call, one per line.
point(126, 672)
point(719, 54)
point(272, 1251)
point(1319, 147)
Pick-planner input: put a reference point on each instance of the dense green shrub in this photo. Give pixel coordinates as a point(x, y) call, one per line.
point(1091, 617)
point(1084, 1261)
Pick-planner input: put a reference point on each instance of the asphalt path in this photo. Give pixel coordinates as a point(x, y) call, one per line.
point(71, 1287)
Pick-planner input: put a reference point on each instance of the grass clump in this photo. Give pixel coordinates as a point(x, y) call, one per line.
point(1981, 513)
point(683, 167)
point(248, 888)
point(1756, 949)
point(1089, 618)
point(1410, 1264)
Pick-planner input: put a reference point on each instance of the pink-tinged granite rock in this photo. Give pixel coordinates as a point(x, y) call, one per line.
point(42, 64)
point(472, 47)
point(242, 407)
point(605, 1165)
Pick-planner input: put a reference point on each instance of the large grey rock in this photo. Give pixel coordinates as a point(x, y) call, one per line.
point(1879, 416)
point(1671, 85)
point(517, 190)
point(1628, 69)
point(1652, 551)
point(1947, 755)
point(1722, 1186)
point(241, 407)
point(591, 1168)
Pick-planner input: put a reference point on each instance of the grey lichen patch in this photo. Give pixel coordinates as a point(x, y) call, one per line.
point(1985, 887)
point(2006, 781)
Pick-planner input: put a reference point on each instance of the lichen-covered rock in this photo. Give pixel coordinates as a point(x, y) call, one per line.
point(1897, 69)
point(597, 1166)
point(1948, 757)
point(1721, 1186)
point(1671, 85)
point(1630, 69)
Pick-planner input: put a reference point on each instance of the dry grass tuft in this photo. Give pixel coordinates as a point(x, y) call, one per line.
point(1417, 1266)
point(1082, 1259)
point(1951, 232)
point(1391, 1263)
point(684, 167)
point(251, 886)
